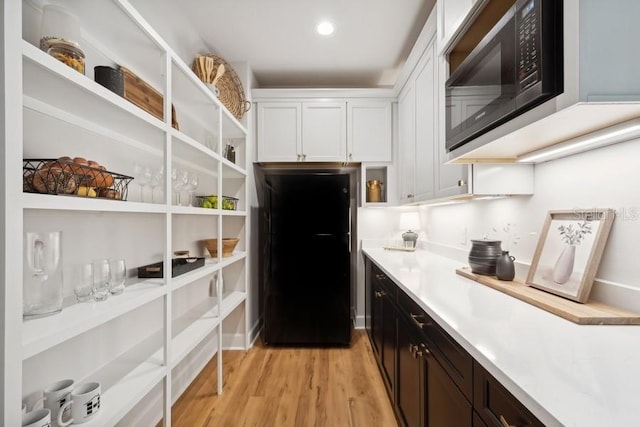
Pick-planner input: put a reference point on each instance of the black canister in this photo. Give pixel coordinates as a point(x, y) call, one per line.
point(484, 256)
point(109, 77)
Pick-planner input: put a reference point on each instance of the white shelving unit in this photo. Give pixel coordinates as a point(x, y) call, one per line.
point(131, 343)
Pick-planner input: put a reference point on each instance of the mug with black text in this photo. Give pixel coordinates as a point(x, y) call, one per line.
point(84, 403)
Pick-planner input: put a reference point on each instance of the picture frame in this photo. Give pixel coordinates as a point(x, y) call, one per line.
point(569, 250)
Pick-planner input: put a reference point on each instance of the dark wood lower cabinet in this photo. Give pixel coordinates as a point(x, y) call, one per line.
point(495, 405)
point(432, 381)
point(380, 320)
point(410, 383)
point(477, 421)
point(446, 405)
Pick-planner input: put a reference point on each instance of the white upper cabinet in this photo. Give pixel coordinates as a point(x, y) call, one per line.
point(369, 131)
point(451, 14)
point(324, 131)
point(407, 143)
point(302, 131)
point(426, 87)
point(294, 125)
point(279, 132)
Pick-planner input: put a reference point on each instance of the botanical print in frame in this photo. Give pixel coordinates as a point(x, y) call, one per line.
point(569, 251)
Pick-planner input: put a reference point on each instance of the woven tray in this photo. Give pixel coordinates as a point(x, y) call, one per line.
point(230, 87)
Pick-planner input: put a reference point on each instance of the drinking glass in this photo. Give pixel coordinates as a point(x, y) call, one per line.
point(155, 180)
point(101, 284)
point(192, 185)
point(118, 276)
point(142, 177)
point(175, 183)
point(82, 277)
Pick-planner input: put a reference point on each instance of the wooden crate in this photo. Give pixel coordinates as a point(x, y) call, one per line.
point(140, 93)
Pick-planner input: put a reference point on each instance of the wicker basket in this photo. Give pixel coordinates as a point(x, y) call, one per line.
point(228, 245)
point(230, 87)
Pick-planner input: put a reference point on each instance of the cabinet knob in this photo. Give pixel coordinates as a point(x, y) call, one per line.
point(379, 294)
point(304, 157)
point(461, 183)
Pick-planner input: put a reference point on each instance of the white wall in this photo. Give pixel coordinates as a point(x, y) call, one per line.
point(605, 178)
point(377, 227)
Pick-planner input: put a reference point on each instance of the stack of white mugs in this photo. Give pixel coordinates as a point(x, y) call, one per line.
point(63, 403)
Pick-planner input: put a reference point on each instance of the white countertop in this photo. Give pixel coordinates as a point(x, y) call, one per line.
point(566, 374)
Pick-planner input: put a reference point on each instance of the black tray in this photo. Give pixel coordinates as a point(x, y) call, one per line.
point(178, 266)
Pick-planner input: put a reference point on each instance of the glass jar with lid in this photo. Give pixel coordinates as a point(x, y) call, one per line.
point(66, 52)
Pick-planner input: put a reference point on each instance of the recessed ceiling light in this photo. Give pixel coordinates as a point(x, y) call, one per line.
point(325, 28)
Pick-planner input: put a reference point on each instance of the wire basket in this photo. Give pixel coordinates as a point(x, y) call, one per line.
point(231, 91)
point(228, 203)
point(64, 177)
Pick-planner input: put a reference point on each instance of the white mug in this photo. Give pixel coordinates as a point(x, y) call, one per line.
point(85, 403)
point(55, 396)
point(37, 418)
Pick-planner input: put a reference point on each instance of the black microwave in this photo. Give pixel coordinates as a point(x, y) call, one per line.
point(516, 66)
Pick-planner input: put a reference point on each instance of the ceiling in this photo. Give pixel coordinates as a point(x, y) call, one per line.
point(278, 39)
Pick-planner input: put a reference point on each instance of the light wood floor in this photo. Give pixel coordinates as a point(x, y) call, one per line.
point(296, 387)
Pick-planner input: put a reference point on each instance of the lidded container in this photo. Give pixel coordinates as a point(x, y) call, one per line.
point(67, 53)
point(60, 36)
point(42, 274)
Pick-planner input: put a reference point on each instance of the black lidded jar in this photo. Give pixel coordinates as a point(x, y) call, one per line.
point(484, 256)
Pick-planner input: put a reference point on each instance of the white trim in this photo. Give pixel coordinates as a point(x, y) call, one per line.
point(259, 95)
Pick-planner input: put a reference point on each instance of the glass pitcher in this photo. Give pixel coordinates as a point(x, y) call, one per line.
point(42, 274)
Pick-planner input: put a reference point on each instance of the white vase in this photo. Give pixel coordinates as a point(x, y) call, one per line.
point(564, 265)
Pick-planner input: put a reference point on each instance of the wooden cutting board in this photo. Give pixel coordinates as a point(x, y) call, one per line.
point(589, 313)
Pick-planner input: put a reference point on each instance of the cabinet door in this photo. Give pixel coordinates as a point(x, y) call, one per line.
point(496, 405)
point(376, 318)
point(445, 405)
point(406, 140)
point(389, 342)
point(410, 382)
point(324, 132)
point(426, 123)
point(450, 16)
point(279, 132)
point(450, 180)
point(369, 131)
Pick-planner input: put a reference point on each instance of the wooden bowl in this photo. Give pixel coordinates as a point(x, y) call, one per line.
point(228, 245)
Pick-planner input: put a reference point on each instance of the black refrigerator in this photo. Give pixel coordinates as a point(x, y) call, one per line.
point(305, 242)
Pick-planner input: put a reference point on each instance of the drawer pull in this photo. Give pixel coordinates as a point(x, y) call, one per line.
point(424, 351)
point(379, 294)
point(413, 350)
point(418, 323)
point(504, 422)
